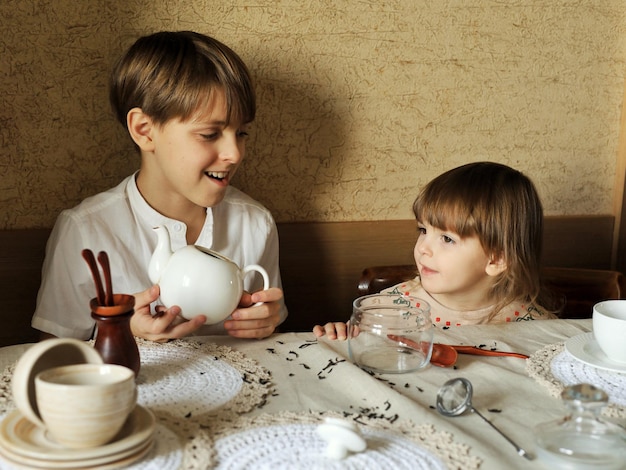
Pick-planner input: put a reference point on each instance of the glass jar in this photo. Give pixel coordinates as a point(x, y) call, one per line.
point(582, 439)
point(390, 333)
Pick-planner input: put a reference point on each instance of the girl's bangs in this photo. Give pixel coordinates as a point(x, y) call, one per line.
point(450, 214)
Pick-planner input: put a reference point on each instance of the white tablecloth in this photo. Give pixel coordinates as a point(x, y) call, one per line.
point(317, 376)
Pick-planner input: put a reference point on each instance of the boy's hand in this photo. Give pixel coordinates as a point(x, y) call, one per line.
point(333, 330)
point(256, 322)
point(165, 325)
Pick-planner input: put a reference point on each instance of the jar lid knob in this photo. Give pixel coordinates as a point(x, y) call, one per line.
point(585, 394)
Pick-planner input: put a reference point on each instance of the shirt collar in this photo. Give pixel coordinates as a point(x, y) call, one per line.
point(153, 218)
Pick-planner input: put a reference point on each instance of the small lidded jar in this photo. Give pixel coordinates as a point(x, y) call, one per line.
point(390, 333)
point(582, 439)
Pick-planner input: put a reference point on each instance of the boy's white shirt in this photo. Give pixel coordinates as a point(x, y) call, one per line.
point(120, 222)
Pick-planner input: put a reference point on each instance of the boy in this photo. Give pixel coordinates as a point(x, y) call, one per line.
point(186, 101)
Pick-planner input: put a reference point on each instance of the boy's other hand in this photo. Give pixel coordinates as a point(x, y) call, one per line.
point(256, 322)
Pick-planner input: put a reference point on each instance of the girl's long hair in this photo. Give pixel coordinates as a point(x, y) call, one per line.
point(500, 206)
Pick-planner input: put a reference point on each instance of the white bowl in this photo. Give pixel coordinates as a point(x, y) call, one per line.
point(45, 355)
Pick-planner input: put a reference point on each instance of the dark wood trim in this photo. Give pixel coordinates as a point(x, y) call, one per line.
point(21, 256)
point(578, 241)
point(619, 243)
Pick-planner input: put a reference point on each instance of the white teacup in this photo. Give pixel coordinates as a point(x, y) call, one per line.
point(609, 328)
point(85, 405)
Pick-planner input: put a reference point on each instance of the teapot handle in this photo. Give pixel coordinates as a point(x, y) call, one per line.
point(262, 272)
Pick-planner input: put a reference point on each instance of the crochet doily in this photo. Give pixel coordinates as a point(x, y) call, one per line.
point(165, 452)
point(191, 379)
point(290, 440)
point(556, 369)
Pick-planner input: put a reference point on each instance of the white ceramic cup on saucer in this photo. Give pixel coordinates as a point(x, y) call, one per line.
point(609, 328)
point(85, 405)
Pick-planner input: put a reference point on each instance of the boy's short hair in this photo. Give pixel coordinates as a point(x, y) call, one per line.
point(172, 75)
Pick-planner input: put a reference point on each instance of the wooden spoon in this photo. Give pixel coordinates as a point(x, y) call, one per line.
point(442, 355)
point(93, 267)
point(486, 352)
point(103, 258)
point(445, 355)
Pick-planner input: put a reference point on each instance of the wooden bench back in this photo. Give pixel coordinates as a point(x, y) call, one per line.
point(321, 263)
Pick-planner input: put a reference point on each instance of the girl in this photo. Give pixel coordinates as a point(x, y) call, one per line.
point(478, 250)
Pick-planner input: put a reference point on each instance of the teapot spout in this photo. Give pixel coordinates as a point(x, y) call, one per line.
point(161, 255)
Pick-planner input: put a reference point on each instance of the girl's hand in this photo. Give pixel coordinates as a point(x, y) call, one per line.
point(333, 330)
point(256, 322)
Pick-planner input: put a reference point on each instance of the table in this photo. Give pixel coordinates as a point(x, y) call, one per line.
point(309, 375)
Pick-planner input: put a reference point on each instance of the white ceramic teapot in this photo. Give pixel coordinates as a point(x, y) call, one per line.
point(198, 280)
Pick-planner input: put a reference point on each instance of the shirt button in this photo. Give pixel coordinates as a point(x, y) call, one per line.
point(178, 227)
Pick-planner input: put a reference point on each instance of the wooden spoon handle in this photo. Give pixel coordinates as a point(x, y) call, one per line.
point(93, 267)
point(442, 355)
point(461, 349)
point(486, 352)
point(103, 258)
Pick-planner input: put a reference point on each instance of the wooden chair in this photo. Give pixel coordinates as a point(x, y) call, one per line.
point(575, 290)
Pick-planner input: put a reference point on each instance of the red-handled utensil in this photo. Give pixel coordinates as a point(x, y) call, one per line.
point(445, 355)
point(442, 354)
point(485, 352)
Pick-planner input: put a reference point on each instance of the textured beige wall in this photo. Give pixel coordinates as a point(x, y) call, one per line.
point(360, 102)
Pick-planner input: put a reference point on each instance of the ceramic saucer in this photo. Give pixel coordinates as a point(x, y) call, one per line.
point(121, 459)
point(586, 349)
point(21, 439)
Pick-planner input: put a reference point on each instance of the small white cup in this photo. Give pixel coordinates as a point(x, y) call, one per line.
point(85, 405)
point(609, 328)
